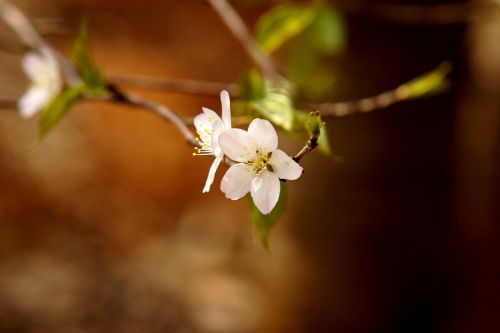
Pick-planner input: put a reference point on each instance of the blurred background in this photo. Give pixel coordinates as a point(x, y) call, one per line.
point(103, 227)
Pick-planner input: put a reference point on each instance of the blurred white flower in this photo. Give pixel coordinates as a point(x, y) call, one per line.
point(43, 71)
point(261, 165)
point(209, 126)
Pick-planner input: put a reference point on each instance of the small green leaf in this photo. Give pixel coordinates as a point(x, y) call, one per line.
point(282, 23)
point(306, 58)
point(252, 85)
point(310, 123)
point(56, 109)
point(81, 56)
point(277, 107)
point(324, 141)
point(428, 83)
point(327, 33)
point(264, 223)
point(314, 123)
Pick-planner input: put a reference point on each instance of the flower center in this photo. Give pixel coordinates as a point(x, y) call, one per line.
point(204, 141)
point(260, 163)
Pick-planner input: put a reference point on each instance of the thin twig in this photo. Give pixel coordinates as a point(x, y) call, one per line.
point(372, 103)
point(311, 144)
point(120, 96)
point(240, 31)
point(185, 86)
point(7, 104)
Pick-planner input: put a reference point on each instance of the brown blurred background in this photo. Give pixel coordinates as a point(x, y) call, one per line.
point(103, 227)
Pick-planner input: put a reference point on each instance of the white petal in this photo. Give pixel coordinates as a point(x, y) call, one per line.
point(32, 64)
point(236, 182)
point(33, 101)
point(212, 116)
point(226, 108)
point(211, 172)
point(237, 144)
point(265, 191)
point(284, 166)
point(217, 130)
point(264, 133)
point(205, 124)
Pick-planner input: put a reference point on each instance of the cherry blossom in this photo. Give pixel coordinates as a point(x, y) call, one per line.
point(43, 71)
point(208, 127)
point(260, 164)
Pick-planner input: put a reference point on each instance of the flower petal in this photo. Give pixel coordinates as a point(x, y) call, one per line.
point(33, 101)
point(32, 64)
point(264, 133)
point(211, 172)
point(226, 108)
point(212, 116)
point(205, 123)
point(284, 166)
point(236, 182)
point(237, 144)
point(265, 191)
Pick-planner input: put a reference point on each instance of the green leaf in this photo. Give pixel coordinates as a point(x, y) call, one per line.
point(428, 83)
point(81, 56)
point(282, 23)
point(277, 107)
point(310, 123)
point(327, 34)
point(306, 57)
point(56, 109)
point(252, 85)
point(264, 223)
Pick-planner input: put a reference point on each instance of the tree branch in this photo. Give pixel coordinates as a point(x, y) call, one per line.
point(239, 30)
point(122, 97)
point(380, 101)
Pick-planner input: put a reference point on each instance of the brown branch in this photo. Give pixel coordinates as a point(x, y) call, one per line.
point(240, 31)
point(122, 97)
point(7, 104)
point(185, 86)
point(372, 103)
point(310, 145)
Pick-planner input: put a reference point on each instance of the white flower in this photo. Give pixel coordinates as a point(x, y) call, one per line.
point(261, 165)
point(43, 71)
point(209, 126)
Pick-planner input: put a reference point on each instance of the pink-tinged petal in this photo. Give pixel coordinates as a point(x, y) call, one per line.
point(284, 166)
point(34, 101)
point(237, 144)
point(265, 191)
point(32, 64)
point(217, 130)
point(236, 182)
point(226, 108)
point(212, 116)
point(264, 133)
point(211, 173)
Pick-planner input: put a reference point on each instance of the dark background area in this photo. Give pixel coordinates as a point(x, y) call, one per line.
point(103, 228)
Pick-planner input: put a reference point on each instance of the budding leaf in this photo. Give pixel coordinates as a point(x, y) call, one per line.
point(428, 83)
point(264, 223)
point(56, 109)
point(281, 24)
point(84, 63)
point(310, 123)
